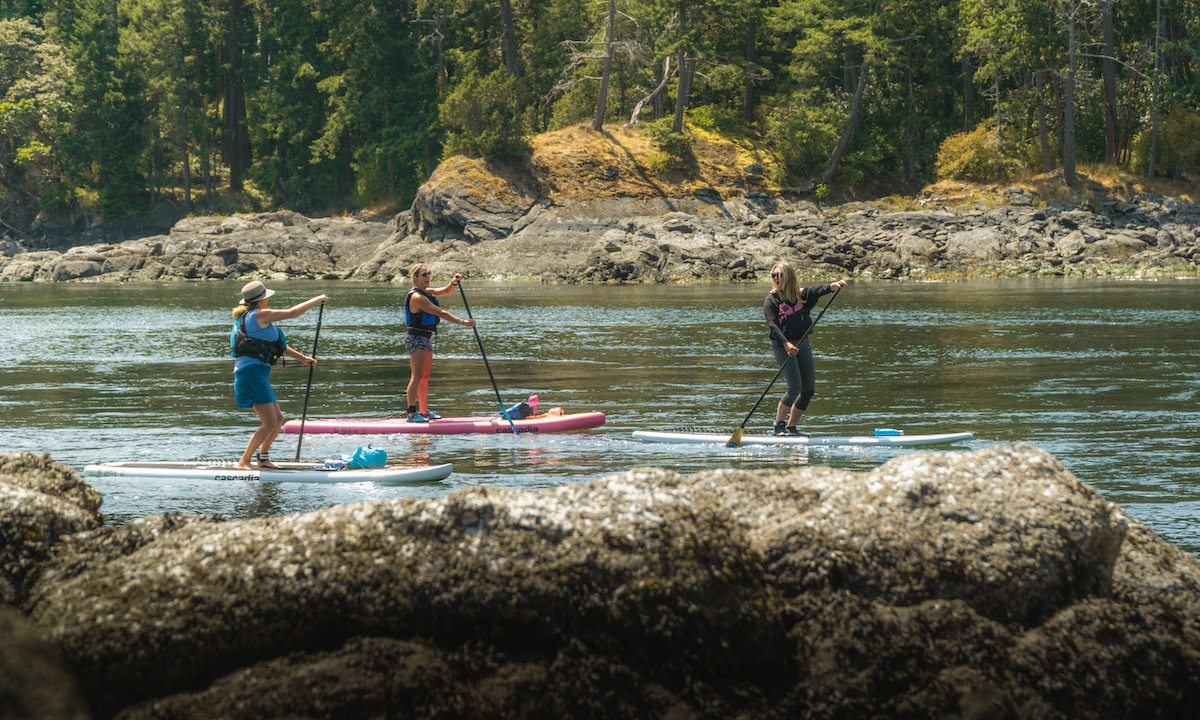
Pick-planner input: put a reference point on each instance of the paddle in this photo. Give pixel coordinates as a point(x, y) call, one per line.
point(503, 410)
point(737, 434)
point(308, 390)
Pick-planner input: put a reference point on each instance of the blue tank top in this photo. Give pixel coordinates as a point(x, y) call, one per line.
point(270, 334)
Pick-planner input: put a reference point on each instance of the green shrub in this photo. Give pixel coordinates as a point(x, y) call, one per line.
point(663, 164)
point(802, 136)
point(677, 145)
point(577, 105)
point(1178, 148)
point(713, 118)
point(485, 116)
point(975, 156)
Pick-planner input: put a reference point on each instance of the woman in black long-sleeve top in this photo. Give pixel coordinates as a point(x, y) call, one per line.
point(787, 312)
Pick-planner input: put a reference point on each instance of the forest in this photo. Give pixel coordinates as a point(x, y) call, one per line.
point(126, 108)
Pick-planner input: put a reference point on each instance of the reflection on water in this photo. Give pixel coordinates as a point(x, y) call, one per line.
point(1101, 373)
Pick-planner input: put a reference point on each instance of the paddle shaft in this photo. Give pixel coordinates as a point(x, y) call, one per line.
point(785, 362)
point(308, 390)
point(503, 410)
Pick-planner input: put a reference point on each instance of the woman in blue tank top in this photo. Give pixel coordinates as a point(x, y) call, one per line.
point(421, 315)
point(257, 343)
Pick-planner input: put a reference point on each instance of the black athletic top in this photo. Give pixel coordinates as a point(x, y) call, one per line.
point(788, 321)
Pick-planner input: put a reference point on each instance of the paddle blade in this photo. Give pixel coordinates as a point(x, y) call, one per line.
point(737, 437)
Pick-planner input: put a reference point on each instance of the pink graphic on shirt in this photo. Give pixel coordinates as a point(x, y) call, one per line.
point(786, 310)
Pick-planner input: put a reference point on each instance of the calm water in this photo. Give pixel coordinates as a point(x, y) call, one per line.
point(1103, 374)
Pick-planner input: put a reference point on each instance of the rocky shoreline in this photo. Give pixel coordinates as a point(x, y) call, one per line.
point(517, 234)
point(986, 584)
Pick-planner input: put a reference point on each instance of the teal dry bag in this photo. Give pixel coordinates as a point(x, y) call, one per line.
point(366, 458)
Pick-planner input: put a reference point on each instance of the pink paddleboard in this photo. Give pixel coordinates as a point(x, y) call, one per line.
point(551, 422)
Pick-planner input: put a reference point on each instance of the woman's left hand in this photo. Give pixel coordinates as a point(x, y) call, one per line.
point(839, 284)
point(310, 361)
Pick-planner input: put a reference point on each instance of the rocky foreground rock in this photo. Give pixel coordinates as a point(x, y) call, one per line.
point(495, 230)
point(989, 584)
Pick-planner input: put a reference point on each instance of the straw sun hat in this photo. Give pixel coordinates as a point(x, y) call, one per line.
point(254, 291)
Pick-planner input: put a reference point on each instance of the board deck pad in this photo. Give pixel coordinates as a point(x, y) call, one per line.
point(308, 472)
point(550, 422)
point(886, 440)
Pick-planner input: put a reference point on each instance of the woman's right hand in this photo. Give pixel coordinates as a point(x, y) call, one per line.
point(469, 323)
point(791, 349)
point(320, 299)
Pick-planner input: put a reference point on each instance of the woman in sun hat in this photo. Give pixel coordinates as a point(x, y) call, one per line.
point(257, 344)
point(421, 315)
point(786, 309)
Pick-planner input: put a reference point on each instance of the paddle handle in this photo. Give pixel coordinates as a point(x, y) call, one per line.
point(786, 360)
point(503, 410)
point(308, 390)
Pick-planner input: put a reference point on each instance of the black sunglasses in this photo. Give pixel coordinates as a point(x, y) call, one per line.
point(427, 273)
point(776, 275)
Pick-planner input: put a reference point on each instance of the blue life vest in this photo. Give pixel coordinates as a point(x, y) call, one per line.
point(242, 344)
point(421, 323)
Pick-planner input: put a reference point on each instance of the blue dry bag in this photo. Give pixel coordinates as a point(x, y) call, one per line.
point(366, 458)
point(520, 411)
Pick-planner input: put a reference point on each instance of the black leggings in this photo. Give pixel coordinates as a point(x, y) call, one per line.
point(801, 374)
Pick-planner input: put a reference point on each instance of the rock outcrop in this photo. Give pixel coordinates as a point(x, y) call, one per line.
point(983, 584)
point(460, 223)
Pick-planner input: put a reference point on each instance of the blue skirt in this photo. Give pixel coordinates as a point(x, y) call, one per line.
point(252, 386)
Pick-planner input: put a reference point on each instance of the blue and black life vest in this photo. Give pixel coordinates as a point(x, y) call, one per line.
point(243, 345)
point(421, 323)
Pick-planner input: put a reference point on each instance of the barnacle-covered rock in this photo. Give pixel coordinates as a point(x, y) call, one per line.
point(977, 584)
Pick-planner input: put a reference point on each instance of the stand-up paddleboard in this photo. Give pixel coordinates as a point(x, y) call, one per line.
point(883, 440)
point(287, 472)
point(547, 423)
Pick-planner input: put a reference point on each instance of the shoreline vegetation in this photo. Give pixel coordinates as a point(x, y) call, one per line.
point(588, 206)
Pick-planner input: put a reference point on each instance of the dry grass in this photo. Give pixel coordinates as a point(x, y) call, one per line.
point(578, 163)
point(1095, 182)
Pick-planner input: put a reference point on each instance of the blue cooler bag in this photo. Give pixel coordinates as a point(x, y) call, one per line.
point(366, 458)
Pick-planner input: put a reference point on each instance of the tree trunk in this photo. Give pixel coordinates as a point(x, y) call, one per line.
point(1069, 105)
point(910, 122)
point(508, 38)
point(999, 111)
point(1108, 70)
point(687, 69)
point(235, 141)
point(439, 40)
point(968, 73)
point(1154, 95)
point(187, 172)
point(663, 75)
point(751, 58)
point(206, 167)
point(850, 128)
point(1043, 133)
point(602, 94)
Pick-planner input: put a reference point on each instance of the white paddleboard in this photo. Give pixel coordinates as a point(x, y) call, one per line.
point(848, 440)
point(287, 472)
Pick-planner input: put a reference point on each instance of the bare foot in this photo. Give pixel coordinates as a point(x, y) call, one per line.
point(245, 466)
point(267, 464)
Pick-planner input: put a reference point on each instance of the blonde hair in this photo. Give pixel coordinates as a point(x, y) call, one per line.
point(786, 286)
point(239, 310)
point(412, 271)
